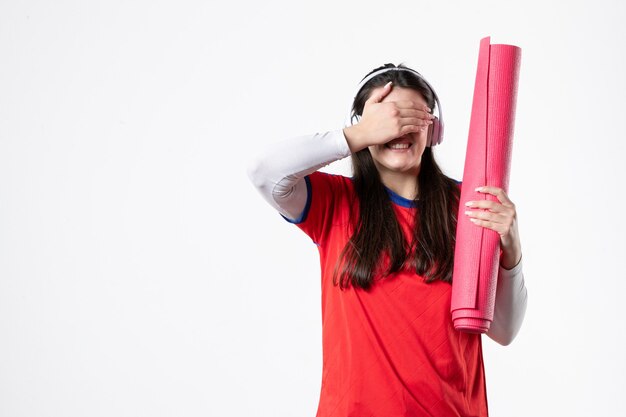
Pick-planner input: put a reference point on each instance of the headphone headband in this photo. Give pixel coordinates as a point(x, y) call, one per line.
point(436, 135)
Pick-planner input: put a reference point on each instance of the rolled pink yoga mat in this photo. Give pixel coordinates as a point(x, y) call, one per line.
point(487, 162)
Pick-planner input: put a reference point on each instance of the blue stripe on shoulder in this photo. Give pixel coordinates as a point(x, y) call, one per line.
point(307, 206)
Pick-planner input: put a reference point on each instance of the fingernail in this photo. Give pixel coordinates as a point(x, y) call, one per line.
point(468, 212)
point(478, 189)
point(469, 203)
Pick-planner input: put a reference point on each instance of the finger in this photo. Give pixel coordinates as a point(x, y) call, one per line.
point(496, 227)
point(379, 95)
point(498, 192)
point(488, 216)
point(411, 112)
point(414, 121)
point(409, 104)
point(490, 205)
point(412, 129)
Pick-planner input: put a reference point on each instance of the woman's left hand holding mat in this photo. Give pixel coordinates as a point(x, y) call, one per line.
point(502, 218)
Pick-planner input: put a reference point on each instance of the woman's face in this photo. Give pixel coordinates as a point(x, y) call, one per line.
point(401, 160)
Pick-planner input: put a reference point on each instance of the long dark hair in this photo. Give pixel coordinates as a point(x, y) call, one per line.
point(377, 231)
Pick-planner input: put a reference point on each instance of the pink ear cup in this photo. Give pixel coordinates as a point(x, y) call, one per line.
point(435, 133)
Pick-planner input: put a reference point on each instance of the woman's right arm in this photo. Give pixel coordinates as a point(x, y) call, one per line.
point(278, 172)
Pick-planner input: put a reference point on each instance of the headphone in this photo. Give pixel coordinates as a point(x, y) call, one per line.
point(435, 130)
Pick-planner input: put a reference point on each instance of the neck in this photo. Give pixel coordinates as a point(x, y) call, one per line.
point(402, 183)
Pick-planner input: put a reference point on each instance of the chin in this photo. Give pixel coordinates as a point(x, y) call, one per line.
point(401, 168)
point(398, 163)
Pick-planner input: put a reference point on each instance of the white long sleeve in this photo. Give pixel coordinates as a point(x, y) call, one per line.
point(279, 171)
point(278, 174)
point(510, 308)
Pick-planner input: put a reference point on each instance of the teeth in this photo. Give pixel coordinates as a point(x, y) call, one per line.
point(399, 146)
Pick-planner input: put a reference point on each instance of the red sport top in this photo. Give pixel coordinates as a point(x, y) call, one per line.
point(391, 351)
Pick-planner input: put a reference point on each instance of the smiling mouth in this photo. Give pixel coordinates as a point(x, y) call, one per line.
point(398, 145)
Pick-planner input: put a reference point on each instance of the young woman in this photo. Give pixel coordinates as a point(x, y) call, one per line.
point(386, 242)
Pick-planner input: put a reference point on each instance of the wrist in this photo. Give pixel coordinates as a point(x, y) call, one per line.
point(510, 259)
point(354, 138)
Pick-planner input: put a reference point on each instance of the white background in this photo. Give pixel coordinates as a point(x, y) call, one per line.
point(138, 265)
